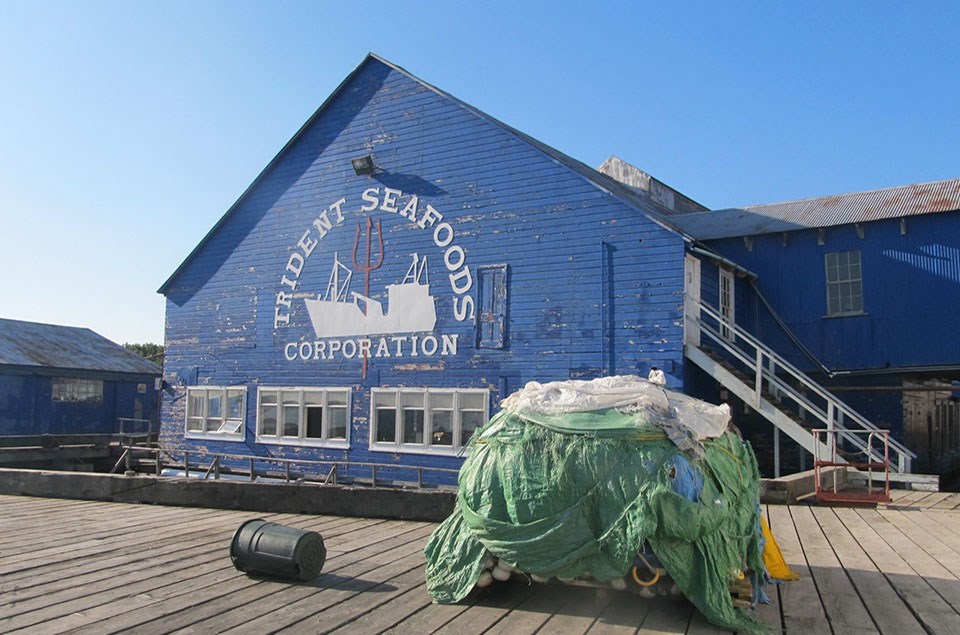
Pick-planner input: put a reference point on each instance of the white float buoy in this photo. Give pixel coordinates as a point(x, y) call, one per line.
point(484, 580)
point(499, 573)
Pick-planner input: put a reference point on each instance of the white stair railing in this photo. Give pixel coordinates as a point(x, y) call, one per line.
point(775, 376)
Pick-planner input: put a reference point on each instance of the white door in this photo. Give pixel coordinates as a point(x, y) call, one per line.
point(691, 300)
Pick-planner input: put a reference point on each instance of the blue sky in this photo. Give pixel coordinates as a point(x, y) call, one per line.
point(128, 128)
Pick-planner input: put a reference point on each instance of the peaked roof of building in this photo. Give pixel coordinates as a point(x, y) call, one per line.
point(824, 211)
point(66, 347)
point(644, 204)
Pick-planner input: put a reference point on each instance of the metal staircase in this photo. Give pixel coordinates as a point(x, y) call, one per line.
point(783, 394)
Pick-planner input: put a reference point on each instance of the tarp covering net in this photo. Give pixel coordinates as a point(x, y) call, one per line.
point(575, 479)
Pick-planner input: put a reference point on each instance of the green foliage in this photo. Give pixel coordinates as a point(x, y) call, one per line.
point(153, 352)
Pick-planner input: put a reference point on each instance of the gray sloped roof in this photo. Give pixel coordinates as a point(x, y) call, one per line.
point(824, 211)
point(66, 347)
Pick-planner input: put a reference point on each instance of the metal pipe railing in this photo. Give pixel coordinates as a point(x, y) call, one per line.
point(834, 414)
point(327, 472)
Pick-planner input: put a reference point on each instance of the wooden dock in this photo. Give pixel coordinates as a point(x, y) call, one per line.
point(86, 567)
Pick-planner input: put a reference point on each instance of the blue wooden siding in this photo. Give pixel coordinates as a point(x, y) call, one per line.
point(595, 285)
point(911, 288)
point(27, 407)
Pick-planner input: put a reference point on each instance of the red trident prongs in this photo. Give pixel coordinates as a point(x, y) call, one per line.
point(368, 266)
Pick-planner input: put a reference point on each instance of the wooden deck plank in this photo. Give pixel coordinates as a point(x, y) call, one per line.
point(114, 585)
point(136, 548)
point(123, 613)
point(947, 542)
point(35, 562)
point(908, 498)
point(430, 619)
point(491, 606)
point(700, 626)
point(881, 600)
point(949, 528)
point(76, 608)
point(844, 608)
point(947, 502)
point(932, 499)
point(180, 579)
point(932, 593)
point(668, 615)
point(351, 603)
point(942, 546)
point(579, 612)
point(395, 611)
point(622, 616)
point(802, 610)
point(336, 589)
point(769, 613)
point(226, 612)
point(534, 610)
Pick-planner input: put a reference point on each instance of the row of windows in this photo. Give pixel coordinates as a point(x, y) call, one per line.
point(407, 419)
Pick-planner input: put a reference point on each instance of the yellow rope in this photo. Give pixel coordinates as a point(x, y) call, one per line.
point(657, 572)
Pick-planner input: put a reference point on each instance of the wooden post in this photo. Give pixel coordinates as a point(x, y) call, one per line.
point(776, 452)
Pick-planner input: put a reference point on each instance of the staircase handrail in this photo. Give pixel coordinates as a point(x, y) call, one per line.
point(834, 405)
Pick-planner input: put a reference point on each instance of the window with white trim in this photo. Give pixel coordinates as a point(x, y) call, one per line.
point(216, 411)
point(303, 416)
point(844, 283)
point(425, 420)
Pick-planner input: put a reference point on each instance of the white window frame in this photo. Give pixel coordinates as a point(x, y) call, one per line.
point(843, 280)
point(429, 396)
point(227, 428)
point(727, 293)
point(299, 396)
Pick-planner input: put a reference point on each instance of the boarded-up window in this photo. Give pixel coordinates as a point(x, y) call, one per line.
point(492, 303)
point(844, 283)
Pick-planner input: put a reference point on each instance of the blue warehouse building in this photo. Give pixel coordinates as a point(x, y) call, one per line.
point(406, 261)
point(62, 380)
point(859, 291)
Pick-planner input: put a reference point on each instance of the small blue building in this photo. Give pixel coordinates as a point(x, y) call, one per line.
point(65, 380)
point(406, 261)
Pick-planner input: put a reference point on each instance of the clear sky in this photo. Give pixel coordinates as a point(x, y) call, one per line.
point(128, 128)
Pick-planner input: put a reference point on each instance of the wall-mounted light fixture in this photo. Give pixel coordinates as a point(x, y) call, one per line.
point(362, 165)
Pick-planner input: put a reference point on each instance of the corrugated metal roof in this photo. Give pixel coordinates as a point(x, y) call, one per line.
point(66, 347)
point(825, 211)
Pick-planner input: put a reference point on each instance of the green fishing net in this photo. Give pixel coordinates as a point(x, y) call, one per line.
point(577, 495)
